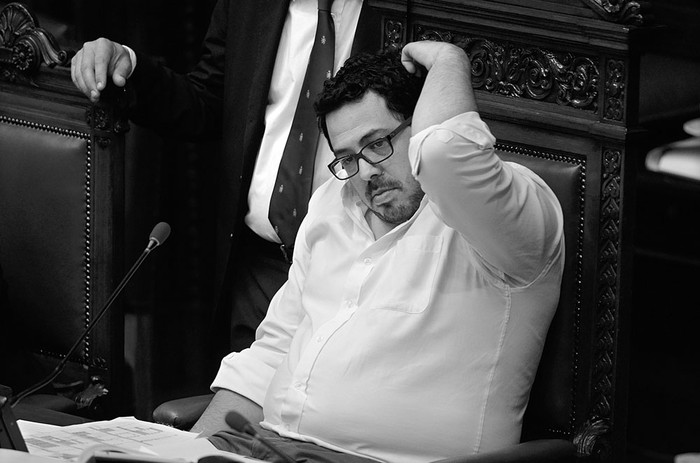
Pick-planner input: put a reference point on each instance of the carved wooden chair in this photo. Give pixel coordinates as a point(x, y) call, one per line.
point(61, 223)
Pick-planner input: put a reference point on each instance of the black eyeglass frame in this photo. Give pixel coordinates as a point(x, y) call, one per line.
point(357, 156)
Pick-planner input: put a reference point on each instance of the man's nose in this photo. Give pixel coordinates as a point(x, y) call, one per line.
point(366, 170)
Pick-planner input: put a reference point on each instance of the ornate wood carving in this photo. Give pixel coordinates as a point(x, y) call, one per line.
point(592, 438)
point(607, 294)
point(615, 90)
point(108, 119)
point(621, 11)
point(516, 71)
point(394, 33)
point(24, 46)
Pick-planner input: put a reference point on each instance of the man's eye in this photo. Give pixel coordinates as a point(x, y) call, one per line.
point(378, 145)
point(346, 161)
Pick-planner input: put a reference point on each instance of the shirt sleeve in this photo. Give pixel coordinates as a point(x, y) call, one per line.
point(250, 371)
point(505, 212)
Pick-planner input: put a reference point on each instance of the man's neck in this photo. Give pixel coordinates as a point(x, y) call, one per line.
point(378, 226)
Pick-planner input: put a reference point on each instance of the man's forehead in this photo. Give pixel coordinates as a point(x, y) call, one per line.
point(359, 122)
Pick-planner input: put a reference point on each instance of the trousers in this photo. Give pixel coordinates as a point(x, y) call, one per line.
point(299, 451)
point(262, 268)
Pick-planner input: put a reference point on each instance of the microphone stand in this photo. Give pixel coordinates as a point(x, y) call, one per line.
point(152, 244)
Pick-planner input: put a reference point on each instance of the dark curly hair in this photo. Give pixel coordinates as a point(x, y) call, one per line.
point(381, 72)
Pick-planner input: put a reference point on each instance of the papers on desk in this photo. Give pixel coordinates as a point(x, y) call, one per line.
point(121, 439)
point(68, 442)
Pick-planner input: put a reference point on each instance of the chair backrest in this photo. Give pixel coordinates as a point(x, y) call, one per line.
point(560, 401)
point(61, 215)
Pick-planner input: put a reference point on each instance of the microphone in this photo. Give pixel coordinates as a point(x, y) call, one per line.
point(158, 236)
point(240, 424)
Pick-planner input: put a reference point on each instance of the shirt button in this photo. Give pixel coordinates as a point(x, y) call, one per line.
point(320, 339)
point(368, 260)
point(348, 304)
point(298, 385)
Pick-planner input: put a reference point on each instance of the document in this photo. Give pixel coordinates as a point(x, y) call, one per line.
point(68, 442)
point(121, 439)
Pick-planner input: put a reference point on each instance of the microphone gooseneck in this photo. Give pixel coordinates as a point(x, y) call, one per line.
point(158, 236)
point(240, 424)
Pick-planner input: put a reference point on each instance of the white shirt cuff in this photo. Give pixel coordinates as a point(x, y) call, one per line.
point(132, 57)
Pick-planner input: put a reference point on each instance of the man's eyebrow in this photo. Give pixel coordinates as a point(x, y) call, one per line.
point(369, 137)
point(373, 135)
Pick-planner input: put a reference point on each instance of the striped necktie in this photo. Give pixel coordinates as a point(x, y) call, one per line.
point(290, 197)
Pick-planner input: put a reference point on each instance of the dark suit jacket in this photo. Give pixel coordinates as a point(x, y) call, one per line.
point(225, 97)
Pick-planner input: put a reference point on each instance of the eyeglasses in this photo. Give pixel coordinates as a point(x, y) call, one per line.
point(373, 152)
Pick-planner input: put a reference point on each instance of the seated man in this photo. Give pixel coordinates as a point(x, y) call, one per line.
point(422, 286)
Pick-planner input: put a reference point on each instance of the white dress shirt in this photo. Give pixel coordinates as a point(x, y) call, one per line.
point(288, 75)
point(422, 344)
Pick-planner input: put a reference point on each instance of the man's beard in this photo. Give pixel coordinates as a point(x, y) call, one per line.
point(394, 214)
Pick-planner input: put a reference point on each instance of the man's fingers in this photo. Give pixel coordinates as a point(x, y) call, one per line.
point(75, 73)
point(407, 59)
point(107, 57)
point(86, 71)
point(408, 64)
point(122, 67)
point(423, 54)
point(118, 80)
point(101, 68)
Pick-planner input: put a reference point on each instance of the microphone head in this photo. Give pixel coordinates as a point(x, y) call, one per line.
point(239, 423)
point(159, 234)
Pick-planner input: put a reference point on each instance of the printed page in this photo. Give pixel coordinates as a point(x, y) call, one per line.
point(69, 442)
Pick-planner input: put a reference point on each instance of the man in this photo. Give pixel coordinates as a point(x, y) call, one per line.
point(424, 280)
point(244, 91)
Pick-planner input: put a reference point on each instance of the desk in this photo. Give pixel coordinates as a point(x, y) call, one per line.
point(27, 412)
point(13, 456)
point(43, 415)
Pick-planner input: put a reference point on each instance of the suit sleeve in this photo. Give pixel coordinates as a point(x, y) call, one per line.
point(186, 105)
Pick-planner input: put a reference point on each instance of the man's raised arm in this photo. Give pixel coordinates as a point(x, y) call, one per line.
point(447, 91)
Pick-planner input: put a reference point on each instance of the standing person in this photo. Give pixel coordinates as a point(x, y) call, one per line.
point(423, 284)
point(244, 91)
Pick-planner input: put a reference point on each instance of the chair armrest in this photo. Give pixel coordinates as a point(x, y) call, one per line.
point(536, 451)
point(182, 413)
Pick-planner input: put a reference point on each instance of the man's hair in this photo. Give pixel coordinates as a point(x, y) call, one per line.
point(381, 73)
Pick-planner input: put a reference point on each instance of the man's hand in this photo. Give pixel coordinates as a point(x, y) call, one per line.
point(422, 53)
point(96, 62)
point(447, 91)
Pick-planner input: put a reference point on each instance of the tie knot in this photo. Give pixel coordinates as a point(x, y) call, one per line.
point(325, 5)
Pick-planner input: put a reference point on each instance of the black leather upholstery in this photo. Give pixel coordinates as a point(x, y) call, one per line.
point(61, 222)
point(552, 404)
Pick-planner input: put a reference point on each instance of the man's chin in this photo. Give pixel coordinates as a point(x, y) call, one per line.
point(389, 214)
